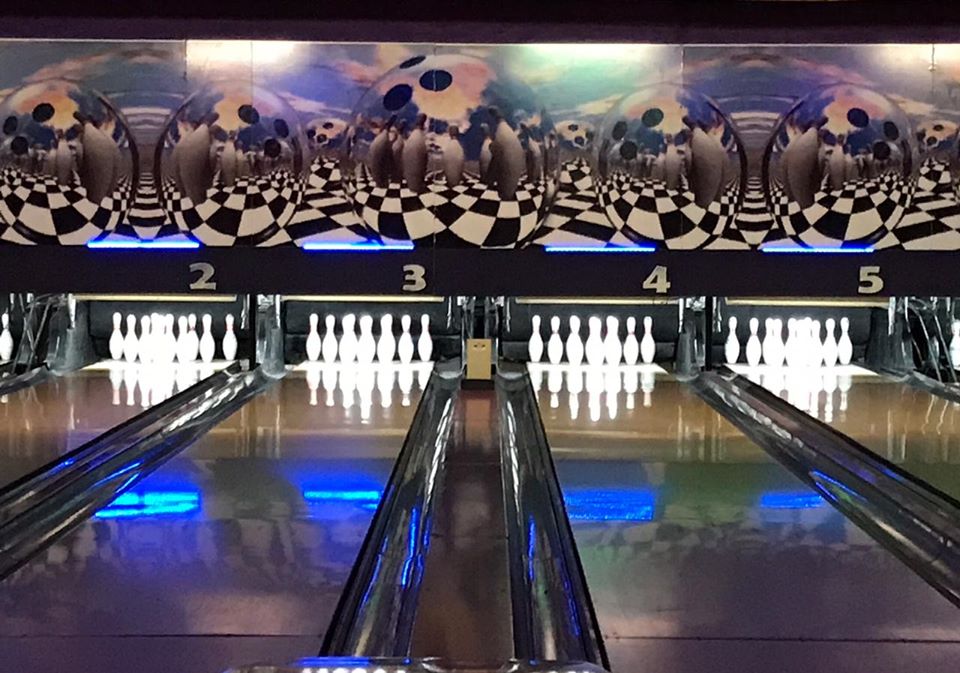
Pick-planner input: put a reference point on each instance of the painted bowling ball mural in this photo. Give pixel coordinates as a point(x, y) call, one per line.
point(325, 142)
point(839, 168)
point(450, 150)
point(68, 164)
point(669, 167)
point(937, 153)
point(231, 165)
point(575, 139)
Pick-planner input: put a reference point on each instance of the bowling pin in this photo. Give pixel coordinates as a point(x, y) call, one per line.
point(130, 341)
point(170, 352)
point(767, 345)
point(405, 345)
point(425, 343)
point(314, 345)
point(194, 340)
point(816, 346)
point(648, 347)
point(453, 157)
point(115, 345)
point(229, 343)
point(6, 338)
point(792, 343)
point(207, 345)
point(631, 347)
point(594, 345)
point(844, 345)
point(535, 345)
point(555, 345)
point(612, 350)
point(509, 160)
point(414, 156)
point(574, 343)
point(145, 345)
point(731, 348)
point(779, 348)
point(348, 339)
point(366, 344)
point(380, 155)
point(830, 347)
point(955, 344)
point(328, 347)
point(754, 349)
point(183, 340)
point(386, 344)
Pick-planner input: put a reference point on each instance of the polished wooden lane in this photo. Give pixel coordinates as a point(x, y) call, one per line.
point(698, 547)
point(248, 537)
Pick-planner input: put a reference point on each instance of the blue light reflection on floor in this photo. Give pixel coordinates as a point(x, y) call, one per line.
point(791, 500)
point(151, 504)
point(597, 504)
point(365, 498)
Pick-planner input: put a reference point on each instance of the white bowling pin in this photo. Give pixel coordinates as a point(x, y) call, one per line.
point(816, 346)
point(170, 348)
point(387, 343)
point(348, 339)
point(574, 343)
point(115, 345)
point(194, 339)
point(405, 345)
point(183, 340)
point(844, 345)
point(145, 345)
point(207, 345)
point(768, 345)
point(6, 338)
point(779, 349)
point(314, 345)
point(612, 350)
point(631, 347)
point(425, 343)
point(955, 344)
point(594, 346)
point(328, 347)
point(366, 344)
point(791, 347)
point(648, 347)
point(229, 343)
point(731, 347)
point(555, 345)
point(130, 341)
point(830, 353)
point(535, 345)
point(754, 349)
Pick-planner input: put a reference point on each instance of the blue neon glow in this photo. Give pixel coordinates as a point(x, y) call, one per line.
point(822, 251)
point(312, 495)
point(150, 504)
point(355, 247)
point(791, 500)
point(611, 504)
point(587, 248)
point(143, 245)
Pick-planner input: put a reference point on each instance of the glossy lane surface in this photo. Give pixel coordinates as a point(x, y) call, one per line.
point(698, 547)
point(40, 423)
point(908, 426)
point(251, 532)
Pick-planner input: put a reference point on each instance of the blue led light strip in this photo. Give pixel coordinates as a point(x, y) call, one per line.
point(344, 495)
point(143, 245)
point(788, 500)
point(588, 249)
point(355, 247)
point(820, 251)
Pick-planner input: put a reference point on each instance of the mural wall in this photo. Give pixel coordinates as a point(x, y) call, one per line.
point(667, 146)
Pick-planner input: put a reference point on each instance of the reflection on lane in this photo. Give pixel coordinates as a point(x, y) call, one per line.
point(40, 423)
point(908, 426)
point(687, 529)
point(252, 531)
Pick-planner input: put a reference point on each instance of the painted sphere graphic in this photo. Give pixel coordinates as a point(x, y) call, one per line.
point(231, 165)
point(68, 164)
point(840, 167)
point(450, 150)
point(937, 155)
point(670, 168)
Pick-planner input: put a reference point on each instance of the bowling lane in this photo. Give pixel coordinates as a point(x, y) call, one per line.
point(699, 548)
point(234, 551)
point(910, 427)
point(40, 423)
